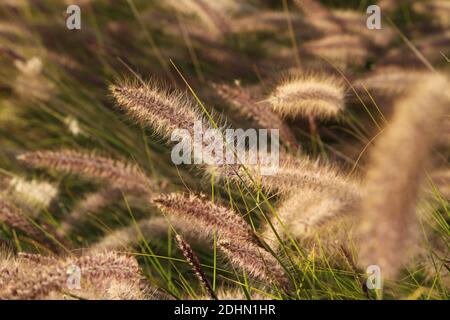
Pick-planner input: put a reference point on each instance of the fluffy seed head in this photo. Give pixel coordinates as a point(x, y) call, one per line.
point(160, 109)
point(205, 214)
point(123, 175)
point(255, 260)
point(304, 211)
point(309, 95)
point(296, 174)
point(193, 260)
point(398, 160)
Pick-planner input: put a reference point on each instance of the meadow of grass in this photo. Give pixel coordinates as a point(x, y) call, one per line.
point(87, 180)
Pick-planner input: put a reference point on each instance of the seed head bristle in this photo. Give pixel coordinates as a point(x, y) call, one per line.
point(295, 174)
point(205, 214)
point(255, 260)
point(34, 194)
point(162, 110)
point(268, 21)
point(304, 211)
point(193, 260)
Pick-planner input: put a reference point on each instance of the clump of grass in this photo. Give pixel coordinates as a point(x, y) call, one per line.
point(305, 211)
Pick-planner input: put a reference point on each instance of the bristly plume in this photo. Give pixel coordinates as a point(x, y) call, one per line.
point(34, 283)
point(269, 21)
point(165, 112)
point(398, 160)
point(206, 215)
point(162, 110)
point(122, 175)
point(102, 265)
point(294, 174)
point(317, 95)
point(193, 260)
point(215, 17)
point(255, 260)
point(260, 112)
